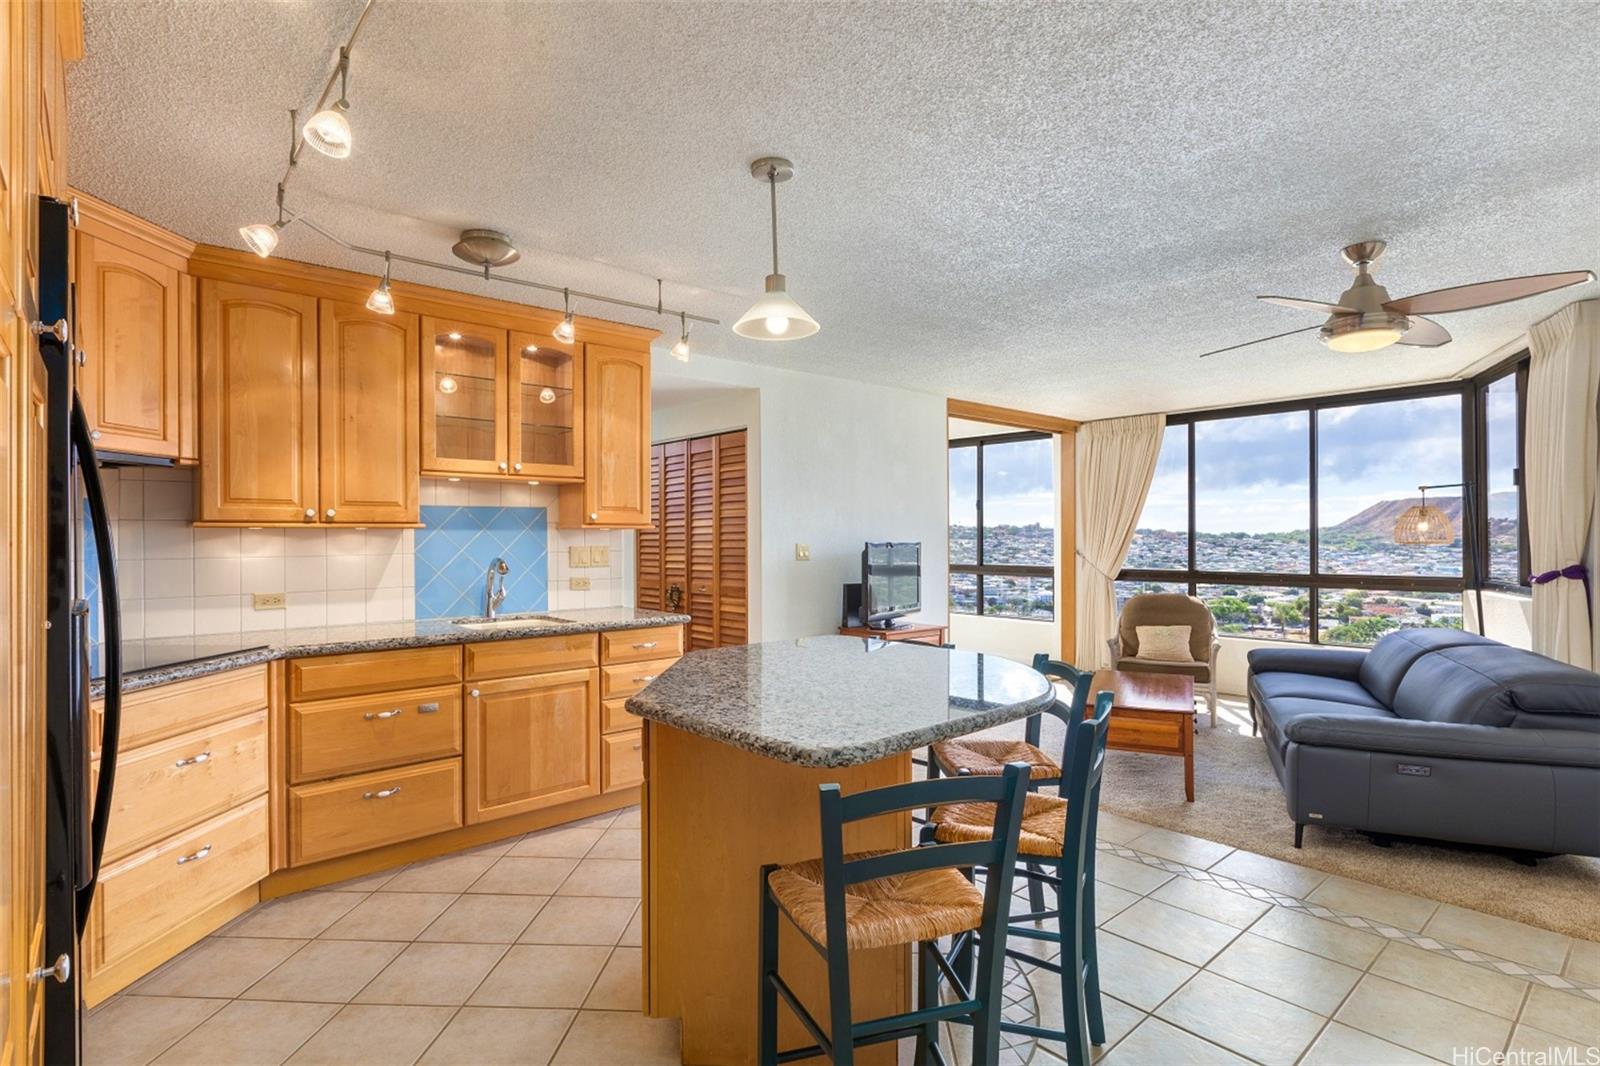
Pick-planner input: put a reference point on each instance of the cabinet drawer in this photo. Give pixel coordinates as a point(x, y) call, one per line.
point(622, 760)
point(1143, 734)
point(535, 655)
point(362, 673)
point(163, 711)
point(154, 891)
point(346, 736)
point(352, 814)
point(615, 717)
point(632, 645)
point(169, 786)
point(624, 679)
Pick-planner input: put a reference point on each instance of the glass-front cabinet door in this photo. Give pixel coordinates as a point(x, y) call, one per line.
point(546, 408)
point(463, 398)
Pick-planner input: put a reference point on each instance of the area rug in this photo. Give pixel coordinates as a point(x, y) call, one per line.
point(1238, 802)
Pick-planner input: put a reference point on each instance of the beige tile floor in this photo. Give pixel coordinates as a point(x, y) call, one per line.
point(527, 951)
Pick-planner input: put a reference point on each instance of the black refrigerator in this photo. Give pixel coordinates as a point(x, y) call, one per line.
point(77, 522)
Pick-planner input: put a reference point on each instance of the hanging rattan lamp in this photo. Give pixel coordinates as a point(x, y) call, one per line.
point(1423, 524)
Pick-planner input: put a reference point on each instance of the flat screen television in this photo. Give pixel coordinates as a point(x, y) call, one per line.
point(891, 582)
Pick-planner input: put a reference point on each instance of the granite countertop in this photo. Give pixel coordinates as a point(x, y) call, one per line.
point(186, 657)
point(839, 701)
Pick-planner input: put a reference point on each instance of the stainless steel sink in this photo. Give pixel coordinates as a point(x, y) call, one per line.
point(509, 621)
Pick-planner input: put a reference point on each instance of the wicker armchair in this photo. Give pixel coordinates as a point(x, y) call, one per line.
point(1170, 609)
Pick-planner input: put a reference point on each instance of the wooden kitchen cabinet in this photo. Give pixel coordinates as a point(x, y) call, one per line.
point(546, 415)
point(134, 308)
point(258, 387)
point(367, 447)
point(615, 492)
point(464, 407)
point(532, 742)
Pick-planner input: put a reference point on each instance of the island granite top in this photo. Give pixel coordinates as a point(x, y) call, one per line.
point(181, 658)
point(839, 701)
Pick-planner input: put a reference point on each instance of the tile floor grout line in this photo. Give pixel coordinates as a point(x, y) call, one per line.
point(565, 1036)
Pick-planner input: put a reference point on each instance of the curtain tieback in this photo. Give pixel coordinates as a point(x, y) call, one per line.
point(1091, 565)
point(1575, 572)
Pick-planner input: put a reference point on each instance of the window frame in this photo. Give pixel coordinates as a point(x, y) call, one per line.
point(1515, 366)
point(1474, 462)
point(980, 569)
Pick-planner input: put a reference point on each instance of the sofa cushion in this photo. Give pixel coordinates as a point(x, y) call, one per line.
point(1314, 686)
point(1278, 713)
point(1496, 685)
point(1389, 660)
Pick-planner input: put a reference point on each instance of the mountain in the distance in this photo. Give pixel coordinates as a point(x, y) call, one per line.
point(1378, 520)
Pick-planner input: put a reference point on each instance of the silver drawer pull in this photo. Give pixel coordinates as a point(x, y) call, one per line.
point(195, 856)
point(381, 794)
point(646, 679)
point(193, 760)
point(427, 708)
point(646, 645)
point(380, 715)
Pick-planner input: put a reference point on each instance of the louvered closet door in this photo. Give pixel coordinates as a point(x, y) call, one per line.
point(675, 522)
point(732, 558)
point(702, 547)
point(649, 592)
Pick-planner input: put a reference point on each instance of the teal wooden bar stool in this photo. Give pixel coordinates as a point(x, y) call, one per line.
point(881, 899)
point(1058, 834)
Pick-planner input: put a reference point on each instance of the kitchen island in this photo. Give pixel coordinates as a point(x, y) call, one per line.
point(736, 741)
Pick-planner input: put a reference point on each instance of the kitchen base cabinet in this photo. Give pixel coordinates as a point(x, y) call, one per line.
point(349, 814)
point(532, 742)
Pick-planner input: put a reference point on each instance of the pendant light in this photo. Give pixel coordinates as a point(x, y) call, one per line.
point(564, 332)
point(382, 300)
point(329, 131)
point(680, 351)
point(262, 237)
point(776, 316)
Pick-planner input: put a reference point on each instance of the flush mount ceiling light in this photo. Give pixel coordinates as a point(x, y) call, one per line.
point(485, 248)
point(329, 131)
point(776, 316)
point(382, 300)
point(564, 332)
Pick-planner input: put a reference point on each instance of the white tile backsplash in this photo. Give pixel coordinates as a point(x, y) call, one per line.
point(179, 580)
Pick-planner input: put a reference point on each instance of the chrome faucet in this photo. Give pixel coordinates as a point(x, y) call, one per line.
point(492, 599)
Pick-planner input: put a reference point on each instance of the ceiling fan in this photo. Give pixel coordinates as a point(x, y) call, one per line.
point(1365, 319)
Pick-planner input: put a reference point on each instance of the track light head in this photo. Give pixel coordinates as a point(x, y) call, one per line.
point(329, 132)
point(564, 332)
point(262, 237)
point(680, 351)
point(382, 300)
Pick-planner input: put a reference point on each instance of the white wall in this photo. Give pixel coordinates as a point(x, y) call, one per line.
point(840, 463)
point(1014, 638)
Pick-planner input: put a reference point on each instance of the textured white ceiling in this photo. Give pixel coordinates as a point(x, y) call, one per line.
point(1051, 206)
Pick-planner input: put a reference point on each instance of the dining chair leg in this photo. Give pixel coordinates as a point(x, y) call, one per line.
point(767, 1022)
point(986, 1022)
point(927, 996)
point(1091, 968)
point(840, 1023)
point(1035, 889)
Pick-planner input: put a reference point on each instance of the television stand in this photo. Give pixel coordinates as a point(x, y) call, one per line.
point(906, 631)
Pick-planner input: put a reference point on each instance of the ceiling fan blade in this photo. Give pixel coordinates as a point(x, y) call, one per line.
point(1309, 305)
point(1486, 293)
point(1424, 333)
point(1259, 340)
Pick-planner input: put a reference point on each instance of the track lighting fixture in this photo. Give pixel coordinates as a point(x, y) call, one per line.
point(564, 332)
point(680, 351)
point(262, 237)
point(382, 300)
point(329, 131)
point(776, 316)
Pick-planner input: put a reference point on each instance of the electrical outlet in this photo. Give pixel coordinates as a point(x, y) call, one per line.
point(267, 601)
point(578, 584)
point(802, 553)
point(600, 555)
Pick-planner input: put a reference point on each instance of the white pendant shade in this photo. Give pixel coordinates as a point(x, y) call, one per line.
point(381, 300)
point(329, 133)
point(260, 237)
point(776, 316)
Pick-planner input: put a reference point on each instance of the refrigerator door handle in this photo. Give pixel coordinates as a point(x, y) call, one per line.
point(111, 648)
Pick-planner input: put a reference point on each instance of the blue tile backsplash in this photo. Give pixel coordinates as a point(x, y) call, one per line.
point(456, 546)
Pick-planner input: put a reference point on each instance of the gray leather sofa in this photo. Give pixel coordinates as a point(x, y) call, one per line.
point(1435, 733)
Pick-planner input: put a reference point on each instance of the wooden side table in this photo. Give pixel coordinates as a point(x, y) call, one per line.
point(1151, 713)
point(926, 634)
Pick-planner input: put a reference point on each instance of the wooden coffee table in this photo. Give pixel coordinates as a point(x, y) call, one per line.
point(1152, 713)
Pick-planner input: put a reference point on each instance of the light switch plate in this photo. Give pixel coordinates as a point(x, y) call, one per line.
point(268, 601)
point(802, 553)
point(600, 555)
point(578, 556)
point(578, 584)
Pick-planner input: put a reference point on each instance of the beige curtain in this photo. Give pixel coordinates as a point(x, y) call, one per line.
point(1562, 446)
point(1116, 462)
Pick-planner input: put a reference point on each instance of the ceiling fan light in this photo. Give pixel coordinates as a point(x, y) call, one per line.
point(776, 316)
point(1364, 333)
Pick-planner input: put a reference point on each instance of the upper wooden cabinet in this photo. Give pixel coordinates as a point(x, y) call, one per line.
point(615, 492)
point(499, 403)
point(135, 311)
point(367, 447)
point(258, 387)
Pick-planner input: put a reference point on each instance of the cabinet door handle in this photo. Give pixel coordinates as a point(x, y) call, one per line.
point(502, 466)
point(379, 716)
point(193, 760)
point(194, 856)
point(594, 516)
point(57, 329)
point(636, 745)
point(473, 693)
point(381, 794)
point(645, 645)
point(311, 514)
point(646, 679)
point(94, 434)
point(59, 971)
point(329, 513)
point(427, 708)
point(517, 467)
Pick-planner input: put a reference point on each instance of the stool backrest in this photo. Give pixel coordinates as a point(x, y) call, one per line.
point(1082, 770)
point(1071, 711)
point(998, 854)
